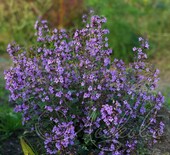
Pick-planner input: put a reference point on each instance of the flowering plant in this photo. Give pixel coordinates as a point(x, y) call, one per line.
point(80, 100)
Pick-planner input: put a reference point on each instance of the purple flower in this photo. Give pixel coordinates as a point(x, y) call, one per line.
point(140, 39)
point(134, 49)
point(58, 94)
point(90, 88)
point(106, 61)
point(49, 108)
point(86, 95)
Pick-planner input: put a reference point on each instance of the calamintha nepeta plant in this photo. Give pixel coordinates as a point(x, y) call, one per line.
point(91, 104)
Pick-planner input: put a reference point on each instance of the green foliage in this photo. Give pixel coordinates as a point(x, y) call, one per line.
point(130, 19)
point(9, 122)
point(143, 151)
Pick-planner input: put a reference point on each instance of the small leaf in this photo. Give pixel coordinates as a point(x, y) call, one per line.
point(26, 148)
point(94, 115)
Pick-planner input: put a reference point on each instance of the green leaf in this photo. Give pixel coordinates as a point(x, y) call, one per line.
point(26, 148)
point(94, 115)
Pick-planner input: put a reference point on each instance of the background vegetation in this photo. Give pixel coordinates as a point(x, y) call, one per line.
point(127, 19)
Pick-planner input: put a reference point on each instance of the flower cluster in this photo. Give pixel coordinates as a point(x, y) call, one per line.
point(91, 103)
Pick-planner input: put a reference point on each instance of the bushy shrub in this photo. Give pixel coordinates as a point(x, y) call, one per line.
point(77, 99)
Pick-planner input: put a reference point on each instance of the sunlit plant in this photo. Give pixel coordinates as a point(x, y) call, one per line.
point(77, 99)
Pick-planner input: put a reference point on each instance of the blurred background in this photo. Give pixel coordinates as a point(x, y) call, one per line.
point(126, 20)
